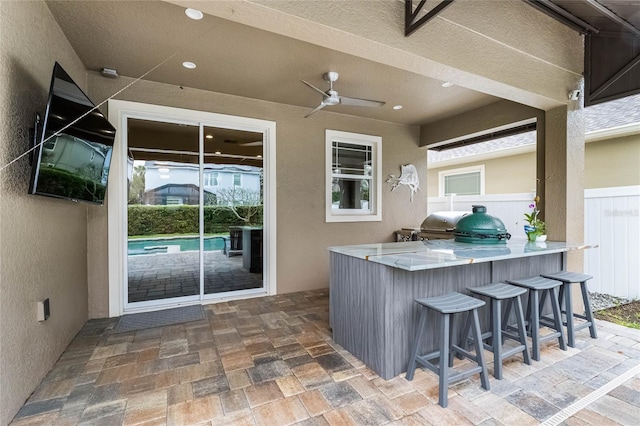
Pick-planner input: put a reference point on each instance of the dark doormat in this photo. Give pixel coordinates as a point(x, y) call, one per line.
point(132, 322)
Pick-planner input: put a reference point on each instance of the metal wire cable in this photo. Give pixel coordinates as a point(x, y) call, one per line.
point(191, 43)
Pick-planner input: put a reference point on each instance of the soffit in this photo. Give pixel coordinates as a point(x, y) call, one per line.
point(152, 39)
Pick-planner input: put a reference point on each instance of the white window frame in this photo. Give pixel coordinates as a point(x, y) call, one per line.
point(211, 178)
point(460, 171)
point(234, 179)
point(374, 213)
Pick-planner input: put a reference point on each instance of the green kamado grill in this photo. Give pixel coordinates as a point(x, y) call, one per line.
point(481, 228)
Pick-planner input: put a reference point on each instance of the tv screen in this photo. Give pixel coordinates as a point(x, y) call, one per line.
point(73, 151)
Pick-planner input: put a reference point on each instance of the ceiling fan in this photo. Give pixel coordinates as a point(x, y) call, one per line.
point(330, 97)
point(245, 143)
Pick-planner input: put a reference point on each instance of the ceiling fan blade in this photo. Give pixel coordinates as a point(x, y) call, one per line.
point(256, 143)
point(318, 108)
point(345, 100)
point(315, 88)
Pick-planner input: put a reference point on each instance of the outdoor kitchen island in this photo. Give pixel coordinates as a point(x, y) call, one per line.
point(373, 287)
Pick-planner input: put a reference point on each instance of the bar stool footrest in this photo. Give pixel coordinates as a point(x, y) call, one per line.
point(461, 375)
point(465, 353)
point(513, 351)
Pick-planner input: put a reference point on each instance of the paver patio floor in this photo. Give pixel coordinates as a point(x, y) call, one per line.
point(165, 275)
point(271, 361)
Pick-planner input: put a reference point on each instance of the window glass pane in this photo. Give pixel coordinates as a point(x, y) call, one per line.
point(211, 179)
point(351, 159)
point(237, 179)
point(350, 194)
point(462, 184)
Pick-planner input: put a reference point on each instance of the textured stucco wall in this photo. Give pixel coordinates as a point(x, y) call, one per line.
point(564, 178)
point(97, 261)
point(42, 241)
point(303, 236)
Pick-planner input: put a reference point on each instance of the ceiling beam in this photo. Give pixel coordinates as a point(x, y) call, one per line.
point(410, 23)
point(497, 134)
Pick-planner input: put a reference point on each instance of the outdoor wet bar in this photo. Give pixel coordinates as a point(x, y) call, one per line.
point(373, 287)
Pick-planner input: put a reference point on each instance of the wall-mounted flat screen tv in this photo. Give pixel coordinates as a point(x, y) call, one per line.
point(73, 148)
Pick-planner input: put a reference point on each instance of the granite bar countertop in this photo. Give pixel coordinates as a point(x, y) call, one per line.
point(420, 255)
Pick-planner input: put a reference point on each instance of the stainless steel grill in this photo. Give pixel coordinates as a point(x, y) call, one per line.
point(437, 226)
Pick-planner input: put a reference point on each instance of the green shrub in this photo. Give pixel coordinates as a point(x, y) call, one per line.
point(67, 184)
point(151, 220)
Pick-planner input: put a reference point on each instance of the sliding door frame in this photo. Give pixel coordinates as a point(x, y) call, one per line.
point(119, 113)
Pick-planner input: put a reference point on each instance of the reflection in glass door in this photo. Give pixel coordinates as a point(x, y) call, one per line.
point(163, 248)
point(233, 210)
point(195, 212)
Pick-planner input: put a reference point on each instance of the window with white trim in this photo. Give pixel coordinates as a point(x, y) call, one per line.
point(463, 181)
point(353, 177)
point(211, 178)
point(237, 179)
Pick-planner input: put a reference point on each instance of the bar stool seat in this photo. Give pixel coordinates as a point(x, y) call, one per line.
point(499, 329)
point(539, 288)
point(447, 306)
point(567, 278)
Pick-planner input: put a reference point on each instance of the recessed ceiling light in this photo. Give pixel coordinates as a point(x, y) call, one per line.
point(209, 136)
point(194, 14)
point(397, 107)
point(217, 153)
point(447, 84)
point(259, 156)
point(164, 170)
point(189, 65)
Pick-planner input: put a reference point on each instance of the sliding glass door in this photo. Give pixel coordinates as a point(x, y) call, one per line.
point(194, 213)
point(233, 210)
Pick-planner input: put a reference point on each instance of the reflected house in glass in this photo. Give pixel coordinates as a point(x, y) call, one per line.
point(174, 194)
point(218, 181)
point(75, 155)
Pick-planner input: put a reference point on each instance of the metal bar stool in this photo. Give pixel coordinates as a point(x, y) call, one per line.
point(447, 306)
point(568, 278)
point(538, 288)
point(500, 329)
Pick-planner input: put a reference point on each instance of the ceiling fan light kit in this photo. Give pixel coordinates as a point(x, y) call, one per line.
point(331, 97)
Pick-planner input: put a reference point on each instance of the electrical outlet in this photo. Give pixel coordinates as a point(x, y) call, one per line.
point(43, 310)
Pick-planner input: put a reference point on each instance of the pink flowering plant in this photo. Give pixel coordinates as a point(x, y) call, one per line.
point(536, 226)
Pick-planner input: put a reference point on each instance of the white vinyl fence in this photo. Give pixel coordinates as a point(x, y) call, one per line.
point(612, 220)
point(510, 208)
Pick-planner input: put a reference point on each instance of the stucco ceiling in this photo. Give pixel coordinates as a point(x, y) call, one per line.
point(152, 39)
